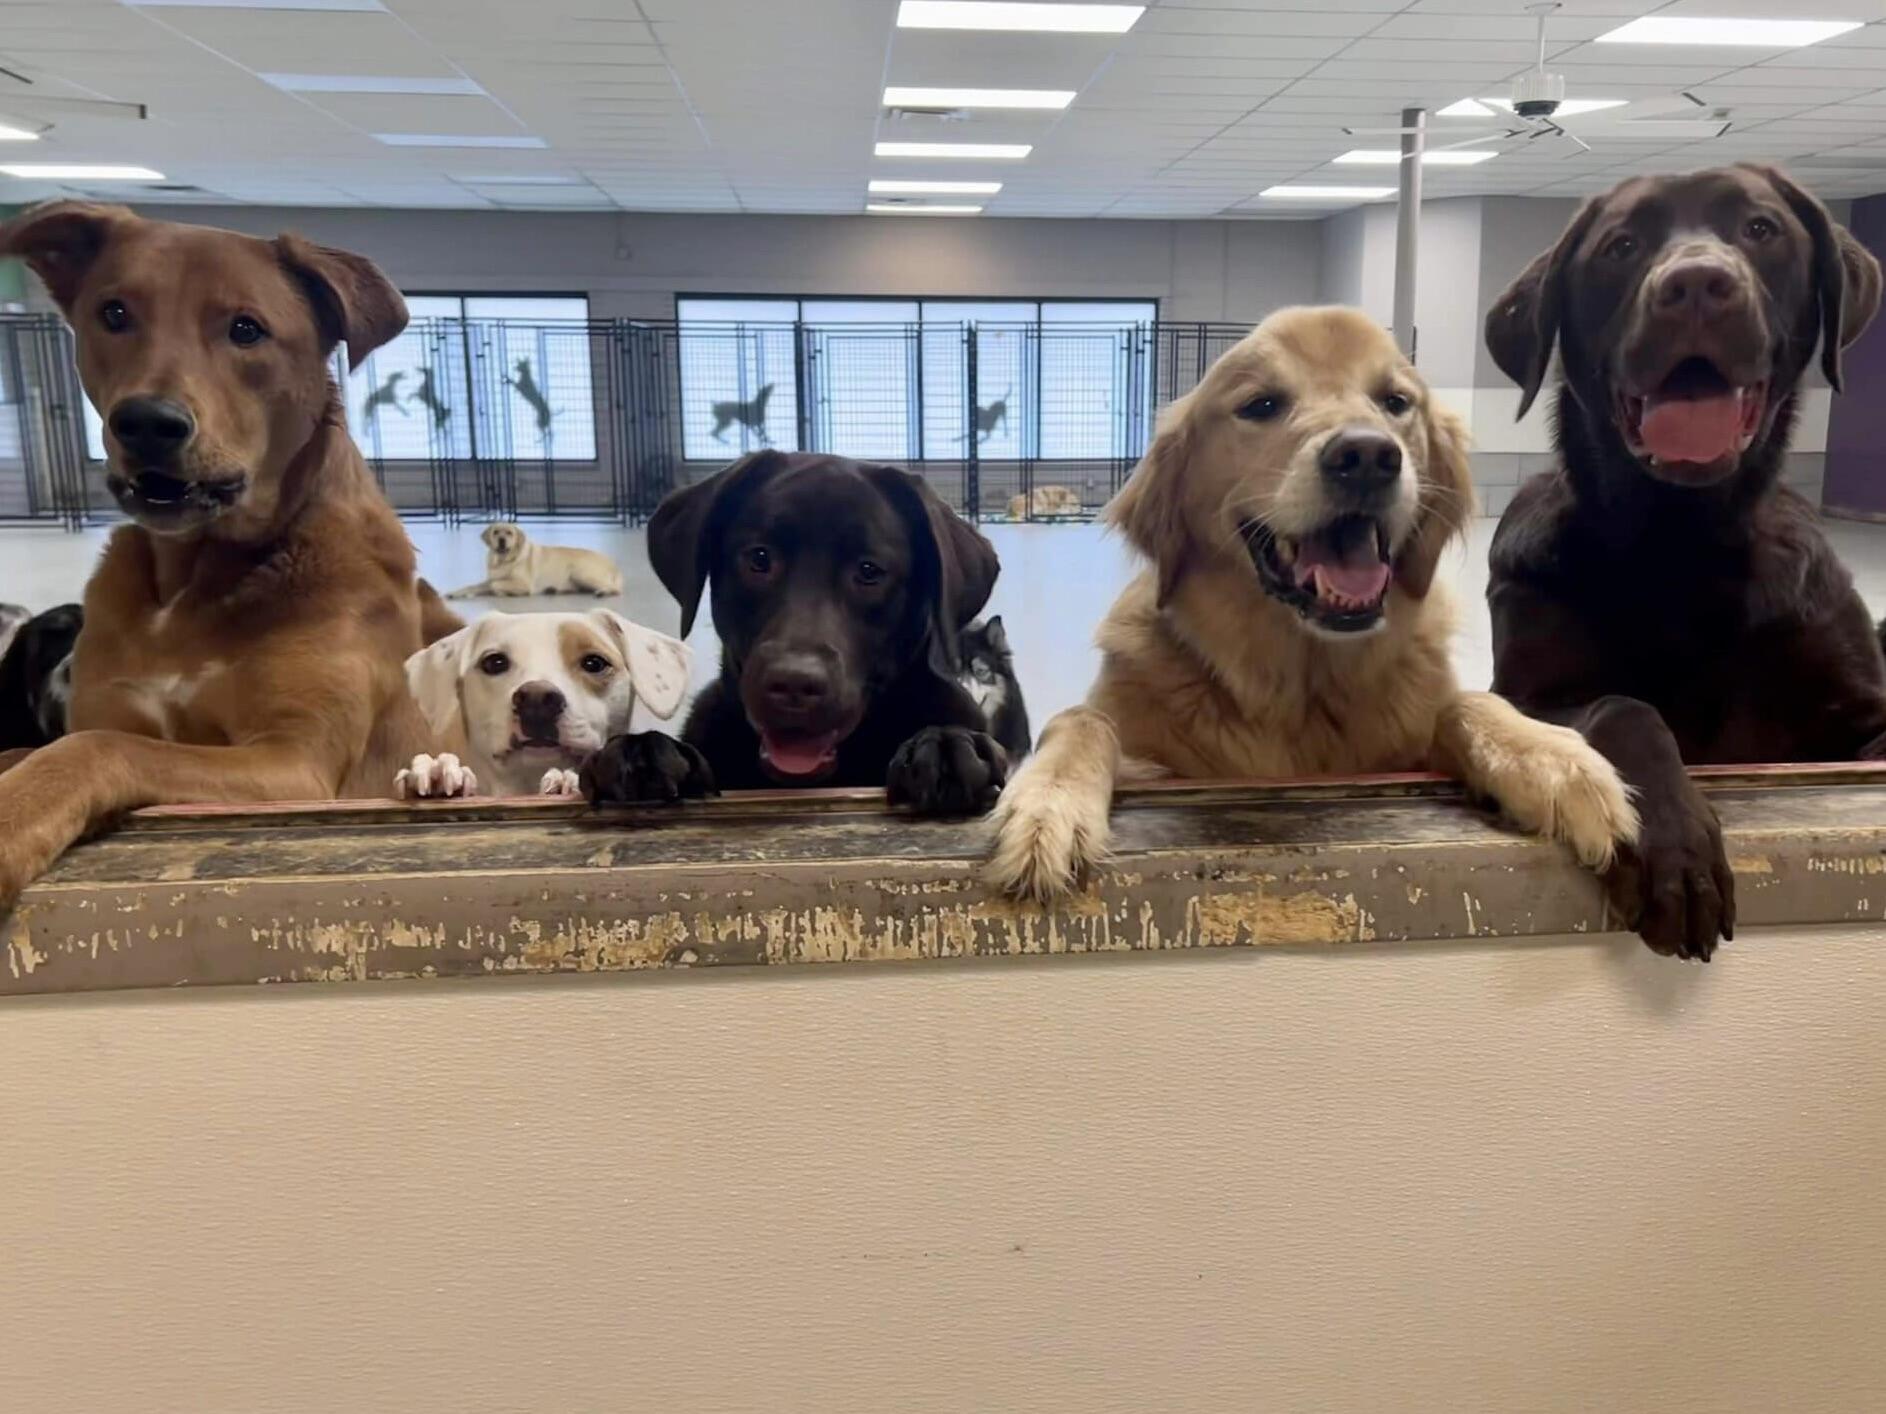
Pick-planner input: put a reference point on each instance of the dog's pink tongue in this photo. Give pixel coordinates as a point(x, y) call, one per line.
point(1355, 572)
point(1692, 429)
point(798, 755)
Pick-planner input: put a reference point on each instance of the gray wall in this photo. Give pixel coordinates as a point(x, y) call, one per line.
point(634, 264)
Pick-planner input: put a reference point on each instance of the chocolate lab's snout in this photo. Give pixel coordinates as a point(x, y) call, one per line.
point(1700, 287)
point(795, 685)
point(1360, 460)
point(152, 431)
point(539, 708)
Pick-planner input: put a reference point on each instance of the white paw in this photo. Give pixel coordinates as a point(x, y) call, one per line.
point(561, 783)
point(1566, 790)
point(1048, 833)
point(435, 778)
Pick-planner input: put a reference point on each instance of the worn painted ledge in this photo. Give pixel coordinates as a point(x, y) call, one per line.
point(382, 890)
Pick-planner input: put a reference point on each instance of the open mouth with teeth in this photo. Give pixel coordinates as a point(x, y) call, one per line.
point(1695, 424)
point(1336, 576)
point(157, 495)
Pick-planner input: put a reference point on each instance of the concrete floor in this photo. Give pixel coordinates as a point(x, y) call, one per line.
point(1057, 581)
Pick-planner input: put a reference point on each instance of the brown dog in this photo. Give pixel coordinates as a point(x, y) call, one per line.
point(1294, 507)
point(1660, 591)
point(246, 636)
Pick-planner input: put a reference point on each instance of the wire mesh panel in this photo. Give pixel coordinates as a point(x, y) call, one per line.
point(42, 464)
point(469, 415)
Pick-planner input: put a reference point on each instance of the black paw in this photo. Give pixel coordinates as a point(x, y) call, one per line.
point(645, 766)
point(947, 771)
point(1674, 885)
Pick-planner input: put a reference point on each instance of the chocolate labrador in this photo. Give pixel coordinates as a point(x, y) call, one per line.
point(246, 633)
point(839, 591)
point(1659, 590)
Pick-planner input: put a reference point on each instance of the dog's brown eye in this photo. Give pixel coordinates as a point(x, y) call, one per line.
point(870, 572)
point(244, 332)
point(494, 664)
point(114, 316)
point(760, 560)
point(1395, 404)
point(1620, 247)
point(595, 663)
point(1262, 408)
point(1760, 229)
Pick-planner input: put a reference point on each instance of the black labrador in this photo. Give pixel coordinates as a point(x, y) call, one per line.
point(1660, 591)
point(839, 591)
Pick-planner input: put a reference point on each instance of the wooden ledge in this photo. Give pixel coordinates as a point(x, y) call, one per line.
point(371, 890)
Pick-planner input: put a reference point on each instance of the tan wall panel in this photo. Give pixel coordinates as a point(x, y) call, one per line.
point(1552, 1177)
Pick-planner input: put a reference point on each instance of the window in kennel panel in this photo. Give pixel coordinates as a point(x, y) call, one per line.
point(738, 376)
point(999, 422)
point(1096, 385)
point(407, 400)
point(537, 383)
point(863, 378)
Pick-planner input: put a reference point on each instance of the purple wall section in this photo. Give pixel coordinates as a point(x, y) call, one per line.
point(1856, 429)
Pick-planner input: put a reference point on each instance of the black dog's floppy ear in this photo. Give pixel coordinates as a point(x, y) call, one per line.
point(963, 565)
point(59, 240)
point(1846, 276)
point(681, 533)
point(1522, 328)
point(354, 303)
point(995, 635)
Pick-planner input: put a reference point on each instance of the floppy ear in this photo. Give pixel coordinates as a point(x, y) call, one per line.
point(1846, 276)
point(1149, 509)
point(353, 302)
point(681, 532)
point(951, 555)
point(1522, 328)
point(432, 675)
point(488, 533)
point(996, 635)
point(59, 240)
point(658, 665)
point(1446, 502)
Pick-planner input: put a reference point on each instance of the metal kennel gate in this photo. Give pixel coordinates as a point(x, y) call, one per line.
point(466, 419)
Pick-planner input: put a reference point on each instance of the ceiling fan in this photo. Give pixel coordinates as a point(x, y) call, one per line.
point(1540, 109)
point(35, 112)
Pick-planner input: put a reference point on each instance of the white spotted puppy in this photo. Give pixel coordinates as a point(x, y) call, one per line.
point(520, 701)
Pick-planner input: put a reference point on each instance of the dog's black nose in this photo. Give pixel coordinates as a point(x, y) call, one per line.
point(1361, 459)
point(152, 430)
point(538, 705)
point(796, 684)
point(1700, 287)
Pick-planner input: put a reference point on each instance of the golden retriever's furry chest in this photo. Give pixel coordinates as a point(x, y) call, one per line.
point(1268, 704)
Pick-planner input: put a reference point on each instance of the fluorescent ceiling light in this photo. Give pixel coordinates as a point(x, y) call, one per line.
point(16, 134)
point(893, 208)
point(1388, 157)
point(367, 83)
point(890, 187)
point(976, 14)
point(978, 97)
point(1699, 29)
point(79, 172)
point(1306, 193)
point(258, 4)
point(449, 140)
point(995, 151)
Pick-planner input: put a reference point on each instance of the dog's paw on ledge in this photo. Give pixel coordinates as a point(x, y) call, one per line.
point(435, 778)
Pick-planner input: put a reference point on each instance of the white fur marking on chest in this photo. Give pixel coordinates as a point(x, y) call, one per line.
point(163, 697)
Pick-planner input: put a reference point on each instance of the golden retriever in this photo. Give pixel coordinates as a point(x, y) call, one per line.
point(1294, 507)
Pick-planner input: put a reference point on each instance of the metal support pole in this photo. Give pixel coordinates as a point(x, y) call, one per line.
point(1408, 226)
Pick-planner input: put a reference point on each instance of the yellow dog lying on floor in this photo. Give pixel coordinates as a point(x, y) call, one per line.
point(1294, 507)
